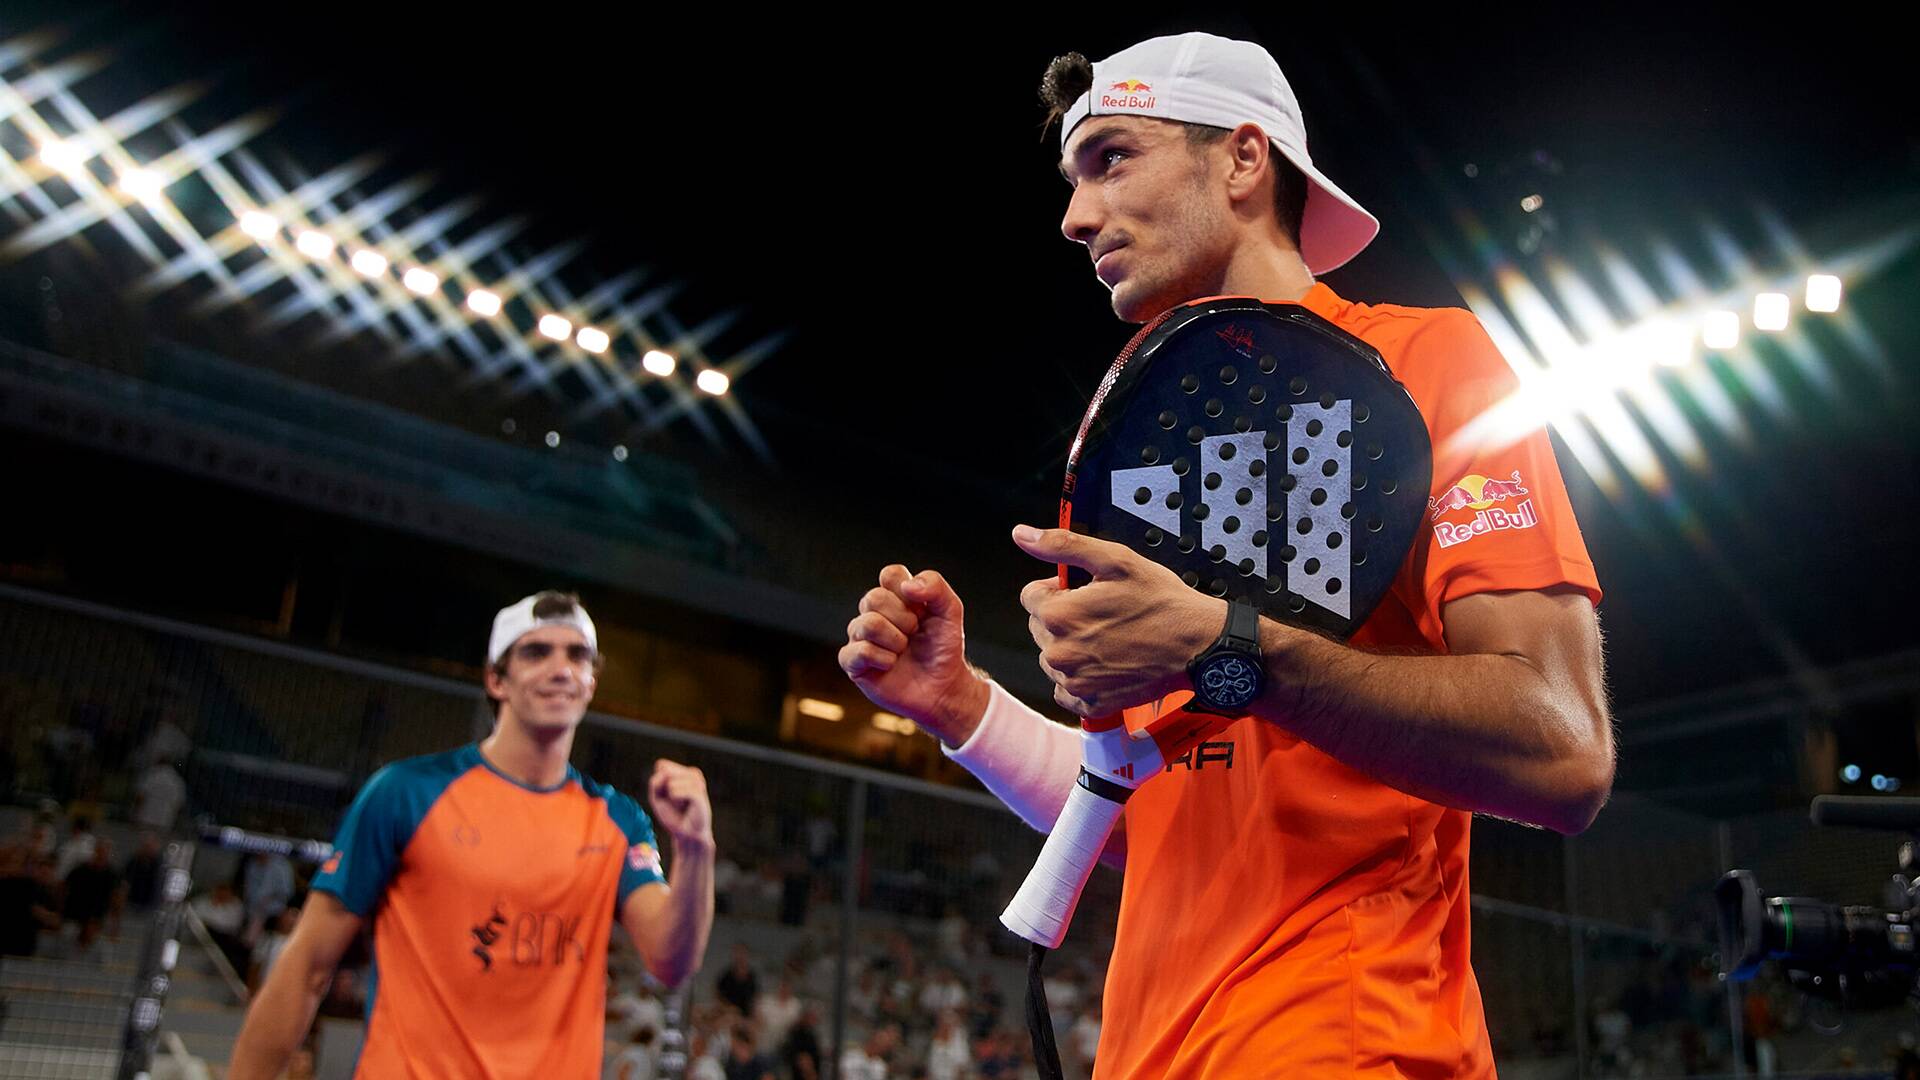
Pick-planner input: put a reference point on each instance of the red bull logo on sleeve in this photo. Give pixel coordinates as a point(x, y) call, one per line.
point(1480, 493)
point(642, 856)
point(1128, 94)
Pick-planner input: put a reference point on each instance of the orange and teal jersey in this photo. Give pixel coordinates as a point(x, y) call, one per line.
point(492, 903)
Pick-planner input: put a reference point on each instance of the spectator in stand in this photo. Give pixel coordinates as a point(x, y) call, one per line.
point(996, 1057)
point(1084, 1036)
point(224, 916)
point(726, 882)
point(637, 1061)
point(166, 743)
point(159, 796)
point(42, 840)
point(776, 1013)
point(267, 887)
point(800, 1054)
point(27, 903)
point(951, 935)
point(988, 1002)
point(869, 1061)
point(343, 1000)
point(77, 849)
point(631, 1009)
point(863, 997)
point(142, 873)
point(743, 1061)
point(738, 986)
point(943, 992)
point(948, 1055)
point(701, 1062)
point(269, 947)
point(92, 896)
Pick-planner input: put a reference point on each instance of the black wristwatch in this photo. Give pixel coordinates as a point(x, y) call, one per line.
point(1230, 674)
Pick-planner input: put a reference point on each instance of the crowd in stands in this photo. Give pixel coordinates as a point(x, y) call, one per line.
point(910, 1014)
point(60, 893)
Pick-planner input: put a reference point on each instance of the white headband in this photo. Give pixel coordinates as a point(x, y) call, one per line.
point(513, 623)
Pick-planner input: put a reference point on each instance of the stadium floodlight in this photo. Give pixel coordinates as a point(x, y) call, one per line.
point(369, 263)
point(421, 281)
point(1770, 311)
point(593, 340)
point(63, 155)
point(619, 453)
point(260, 225)
point(142, 184)
point(314, 245)
point(824, 710)
point(1532, 203)
point(482, 302)
point(657, 363)
point(713, 382)
point(1721, 330)
point(555, 327)
point(1823, 293)
point(553, 439)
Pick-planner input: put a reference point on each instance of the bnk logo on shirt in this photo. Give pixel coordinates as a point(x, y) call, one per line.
point(1480, 493)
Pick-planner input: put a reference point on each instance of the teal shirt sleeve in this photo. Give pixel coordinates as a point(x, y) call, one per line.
point(376, 829)
point(642, 863)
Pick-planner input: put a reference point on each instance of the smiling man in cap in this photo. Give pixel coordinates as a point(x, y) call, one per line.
point(1295, 899)
point(492, 875)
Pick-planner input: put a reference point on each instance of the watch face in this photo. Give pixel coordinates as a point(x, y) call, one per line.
point(1228, 682)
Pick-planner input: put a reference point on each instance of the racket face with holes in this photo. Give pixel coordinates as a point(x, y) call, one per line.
point(1261, 453)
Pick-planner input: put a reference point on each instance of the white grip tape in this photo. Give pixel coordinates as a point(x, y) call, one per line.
point(1043, 907)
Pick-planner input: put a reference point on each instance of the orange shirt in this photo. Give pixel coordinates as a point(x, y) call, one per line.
point(492, 904)
point(1283, 915)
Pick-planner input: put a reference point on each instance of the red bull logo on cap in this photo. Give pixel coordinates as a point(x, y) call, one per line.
point(1128, 94)
point(1480, 493)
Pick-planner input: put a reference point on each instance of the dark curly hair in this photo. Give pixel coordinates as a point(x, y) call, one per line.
point(1071, 75)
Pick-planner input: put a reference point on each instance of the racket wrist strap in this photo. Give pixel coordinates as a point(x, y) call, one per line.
point(1026, 760)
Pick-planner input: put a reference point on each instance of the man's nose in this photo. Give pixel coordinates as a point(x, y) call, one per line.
point(1083, 218)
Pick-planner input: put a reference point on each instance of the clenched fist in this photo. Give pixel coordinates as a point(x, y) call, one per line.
point(907, 651)
point(678, 795)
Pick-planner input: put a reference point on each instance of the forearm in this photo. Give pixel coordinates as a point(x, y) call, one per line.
point(1486, 732)
point(1029, 762)
point(679, 942)
point(279, 1019)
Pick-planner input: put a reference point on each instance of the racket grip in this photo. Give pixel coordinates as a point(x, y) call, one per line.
point(1043, 907)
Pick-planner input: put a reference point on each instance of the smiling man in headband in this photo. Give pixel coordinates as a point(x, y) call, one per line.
point(492, 876)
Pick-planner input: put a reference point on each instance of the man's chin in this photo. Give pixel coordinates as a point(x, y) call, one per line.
point(1138, 305)
point(551, 725)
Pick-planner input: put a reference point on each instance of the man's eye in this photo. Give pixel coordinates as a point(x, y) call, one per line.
point(1110, 155)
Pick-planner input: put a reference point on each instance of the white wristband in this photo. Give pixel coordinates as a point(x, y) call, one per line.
point(1027, 760)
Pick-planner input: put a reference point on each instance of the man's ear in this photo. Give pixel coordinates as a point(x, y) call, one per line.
point(1251, 162)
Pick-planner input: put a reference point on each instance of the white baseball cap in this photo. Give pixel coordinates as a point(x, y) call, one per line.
point(1204, 79)
point(513, 623)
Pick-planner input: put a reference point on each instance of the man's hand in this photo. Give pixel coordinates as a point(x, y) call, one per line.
point(907, 651)
point(678, 794)
point(1123, 639)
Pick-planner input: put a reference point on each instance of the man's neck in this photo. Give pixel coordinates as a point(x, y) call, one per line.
point(1270, 271)
point(520, 754)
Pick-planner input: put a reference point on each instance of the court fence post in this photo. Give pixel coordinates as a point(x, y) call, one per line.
point(154, 976)
point(849, 903)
